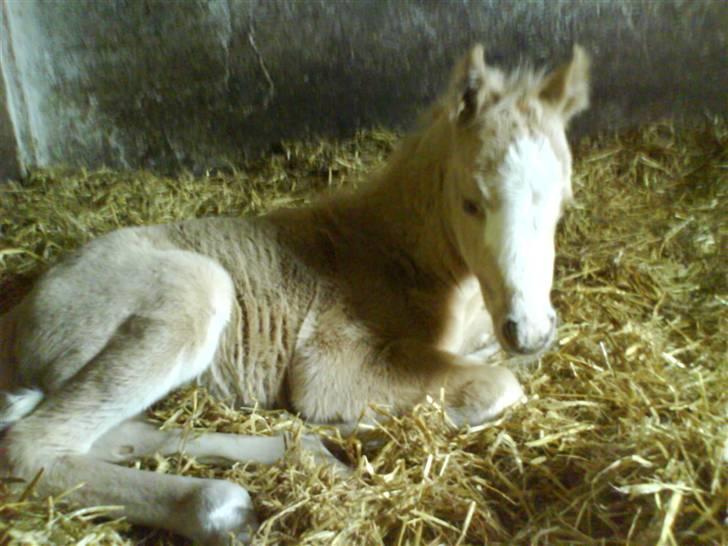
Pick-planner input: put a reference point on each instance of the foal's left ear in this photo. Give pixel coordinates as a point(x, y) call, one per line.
point(473, 85)
point(567, 88)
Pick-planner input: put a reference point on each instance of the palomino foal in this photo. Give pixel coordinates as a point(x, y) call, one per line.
point(382, 296)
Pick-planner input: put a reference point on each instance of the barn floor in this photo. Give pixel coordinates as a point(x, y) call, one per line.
point(624, 439)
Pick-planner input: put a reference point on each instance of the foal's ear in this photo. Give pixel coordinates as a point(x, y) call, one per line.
point(472, 85)
point(567, 88)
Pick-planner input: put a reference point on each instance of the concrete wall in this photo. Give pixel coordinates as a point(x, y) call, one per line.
point(195, 84)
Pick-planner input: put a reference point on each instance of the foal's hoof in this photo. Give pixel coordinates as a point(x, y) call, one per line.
point(509, 392)
point(220, 512)
point(485, 396)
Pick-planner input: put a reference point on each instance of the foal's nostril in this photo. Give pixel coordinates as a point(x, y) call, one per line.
point(510, 332)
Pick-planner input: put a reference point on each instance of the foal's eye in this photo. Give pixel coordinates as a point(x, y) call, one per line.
point(471, 208)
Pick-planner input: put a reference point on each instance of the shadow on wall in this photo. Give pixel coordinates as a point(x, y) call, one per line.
point(199, 84)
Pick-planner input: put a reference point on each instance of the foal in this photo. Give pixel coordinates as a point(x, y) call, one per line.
point(382, 296)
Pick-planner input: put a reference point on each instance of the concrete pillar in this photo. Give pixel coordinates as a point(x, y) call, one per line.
point(9, 153)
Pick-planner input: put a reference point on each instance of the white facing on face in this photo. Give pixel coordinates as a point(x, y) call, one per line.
point(507, 240)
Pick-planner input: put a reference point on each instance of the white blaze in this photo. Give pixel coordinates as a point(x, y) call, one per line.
point(520, 231)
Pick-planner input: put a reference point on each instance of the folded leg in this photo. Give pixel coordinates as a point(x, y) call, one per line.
point(135, 438)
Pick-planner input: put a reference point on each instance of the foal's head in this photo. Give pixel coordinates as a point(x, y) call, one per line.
point(506, 184)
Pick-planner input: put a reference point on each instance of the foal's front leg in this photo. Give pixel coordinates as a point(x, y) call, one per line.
point(474, 393)
point(479, 339)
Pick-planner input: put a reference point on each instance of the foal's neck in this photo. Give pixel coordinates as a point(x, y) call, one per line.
point(410, 202)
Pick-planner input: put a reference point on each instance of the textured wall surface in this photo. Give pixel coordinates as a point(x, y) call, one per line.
point(9, 166)
point(195, 84)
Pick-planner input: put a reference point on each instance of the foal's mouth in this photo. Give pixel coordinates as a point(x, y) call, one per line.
point(522, 339)
point(518, 355)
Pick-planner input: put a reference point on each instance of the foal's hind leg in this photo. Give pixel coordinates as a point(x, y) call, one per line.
point(162, 345)
point(135, 438)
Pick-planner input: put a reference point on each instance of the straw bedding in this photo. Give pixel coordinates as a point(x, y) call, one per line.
point(623, 439)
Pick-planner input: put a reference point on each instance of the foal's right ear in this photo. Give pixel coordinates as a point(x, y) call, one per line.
point(472, 85)
point(567, 88)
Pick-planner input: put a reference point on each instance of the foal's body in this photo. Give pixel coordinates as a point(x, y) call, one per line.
point(375, 297)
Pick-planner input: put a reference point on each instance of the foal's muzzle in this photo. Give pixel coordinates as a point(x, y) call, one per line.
point(524, 337)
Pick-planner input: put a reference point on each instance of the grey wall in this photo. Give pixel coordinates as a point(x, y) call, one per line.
point(9, 166)
point(194, 84)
